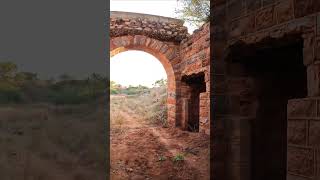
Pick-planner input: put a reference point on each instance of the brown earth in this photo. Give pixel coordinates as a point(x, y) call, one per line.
point(141, 150)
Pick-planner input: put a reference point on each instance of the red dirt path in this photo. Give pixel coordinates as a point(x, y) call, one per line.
point(136, 147)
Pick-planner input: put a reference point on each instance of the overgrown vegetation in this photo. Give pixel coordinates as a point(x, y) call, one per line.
point(131, 90)
point(147, 103)
point(196, 12)
point(26, 87)
point(42, 141)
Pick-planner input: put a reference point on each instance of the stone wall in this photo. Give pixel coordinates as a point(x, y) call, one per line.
point(195, 59)
point(157, 27)
point(238, 27)
point(303, 139)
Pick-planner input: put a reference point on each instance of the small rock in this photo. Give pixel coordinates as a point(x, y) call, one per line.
point(129, 169)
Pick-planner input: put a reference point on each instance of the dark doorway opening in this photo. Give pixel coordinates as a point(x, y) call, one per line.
point(196, 85)
point(278, 74)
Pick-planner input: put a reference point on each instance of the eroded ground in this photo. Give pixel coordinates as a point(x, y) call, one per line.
point(142, 150)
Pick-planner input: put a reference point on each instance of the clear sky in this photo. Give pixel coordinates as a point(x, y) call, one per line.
point(136, 67)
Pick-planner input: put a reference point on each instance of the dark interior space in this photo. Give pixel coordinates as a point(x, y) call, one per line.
point(196, 85)
point(279, 75)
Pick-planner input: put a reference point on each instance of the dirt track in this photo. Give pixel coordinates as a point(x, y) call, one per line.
point(143, 151)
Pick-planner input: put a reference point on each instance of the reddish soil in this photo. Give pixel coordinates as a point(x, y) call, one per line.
point(142, 151)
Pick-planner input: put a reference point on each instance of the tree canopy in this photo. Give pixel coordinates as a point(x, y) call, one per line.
point(196, 12)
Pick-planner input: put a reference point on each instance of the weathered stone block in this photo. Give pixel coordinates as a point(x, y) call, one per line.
point(297, 132)
point(164, 49)
point(126, 40)
point(284, 11)
point(301, 108)
point(265, 18)
point(301, 161)
point(313, 75)
point(242, 26)
point(139, 40)
point(308, 48)
point(314, 133)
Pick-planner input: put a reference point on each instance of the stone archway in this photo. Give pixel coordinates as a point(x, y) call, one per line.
point(158, 36)
point(185, 58)
point(151, 46)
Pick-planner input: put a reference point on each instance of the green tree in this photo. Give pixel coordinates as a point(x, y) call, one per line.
point(7, 70)
point(23, 77)
point(114, 88)
point(160, 83)
point(195, 12)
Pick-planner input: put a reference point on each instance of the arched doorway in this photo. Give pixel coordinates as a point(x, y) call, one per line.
point(165, 53)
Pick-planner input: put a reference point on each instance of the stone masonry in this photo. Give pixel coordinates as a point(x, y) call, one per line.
point(265, 90)
point(156, 27)
point(185, 58)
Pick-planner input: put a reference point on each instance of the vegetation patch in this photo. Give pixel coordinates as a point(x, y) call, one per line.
point(178, 157)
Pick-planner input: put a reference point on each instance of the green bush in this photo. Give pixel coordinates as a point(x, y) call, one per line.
point(9, 93)
point(67, 96)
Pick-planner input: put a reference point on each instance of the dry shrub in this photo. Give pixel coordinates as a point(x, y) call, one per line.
point(56, 143)
point(150, 106)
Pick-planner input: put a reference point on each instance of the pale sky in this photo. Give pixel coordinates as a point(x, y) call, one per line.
point(137, 67)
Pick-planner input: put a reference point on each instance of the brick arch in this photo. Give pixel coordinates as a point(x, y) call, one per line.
point(158, 36)
point(181, 54)
point(164, 52)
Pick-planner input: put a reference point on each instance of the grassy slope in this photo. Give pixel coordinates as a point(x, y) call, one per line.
point(51, 142)
point(151, 106)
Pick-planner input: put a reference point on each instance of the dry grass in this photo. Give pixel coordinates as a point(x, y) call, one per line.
point(151, 107)
point(47, 142)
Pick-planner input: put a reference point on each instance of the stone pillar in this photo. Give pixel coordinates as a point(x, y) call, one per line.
point(185, 113)
point(303, 136)
point(204, 125)
point(238, 131)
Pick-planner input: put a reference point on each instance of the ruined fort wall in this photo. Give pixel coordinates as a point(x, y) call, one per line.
point(239, 23)
point(181, 54)
point(195, 59)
